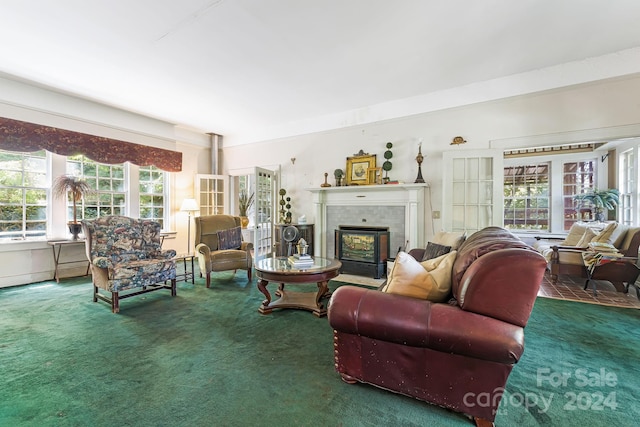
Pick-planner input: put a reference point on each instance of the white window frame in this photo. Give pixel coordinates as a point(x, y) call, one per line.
point(454, 211)
point(528, 221)
point(628, 181)
point(164, 194)
point(212, 194)
point(99, 193)
point(556, 161)
point(25, 234)
point(57, 210)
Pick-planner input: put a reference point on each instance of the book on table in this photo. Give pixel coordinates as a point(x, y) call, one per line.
point(300, 260)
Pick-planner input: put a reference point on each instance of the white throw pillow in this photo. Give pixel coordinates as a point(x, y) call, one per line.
point(575, 233)
point(586, 238)
point(610, 233)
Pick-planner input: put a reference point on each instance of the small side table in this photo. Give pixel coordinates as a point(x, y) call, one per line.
point(187, 263)
point(59, 244)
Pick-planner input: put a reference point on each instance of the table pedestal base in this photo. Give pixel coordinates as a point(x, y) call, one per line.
point(298, 300)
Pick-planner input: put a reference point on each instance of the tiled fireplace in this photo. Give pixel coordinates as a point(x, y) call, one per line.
point(400, 207)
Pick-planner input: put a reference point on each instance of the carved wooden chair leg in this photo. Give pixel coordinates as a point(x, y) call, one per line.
point(115, 302)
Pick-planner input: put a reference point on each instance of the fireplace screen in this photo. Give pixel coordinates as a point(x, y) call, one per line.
point(358, 247)
point(362, 250)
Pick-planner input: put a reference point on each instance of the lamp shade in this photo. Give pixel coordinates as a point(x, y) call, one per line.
point(189, 205)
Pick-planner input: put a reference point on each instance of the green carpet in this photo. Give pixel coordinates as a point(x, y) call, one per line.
point(208, 358)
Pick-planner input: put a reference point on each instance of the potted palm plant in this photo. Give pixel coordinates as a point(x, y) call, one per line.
point(601, 200)
point(244, 204)
point(76, 188)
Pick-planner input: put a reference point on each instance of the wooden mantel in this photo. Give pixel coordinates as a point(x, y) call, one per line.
point(413, 197)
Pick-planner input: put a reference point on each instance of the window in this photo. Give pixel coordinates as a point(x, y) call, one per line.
point(211, 194)
point(577, 178)
point(473, 192)
point(152, 187)
point(23, 195)
point(527, 197)
point(28, 211)
point(538, 195)
point(108, 181)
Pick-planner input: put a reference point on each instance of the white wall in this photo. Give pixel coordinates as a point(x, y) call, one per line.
point(27, 262)
point(605, 110)
point(608, 109)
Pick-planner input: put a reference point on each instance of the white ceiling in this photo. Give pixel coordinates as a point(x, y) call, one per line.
point(237, 66)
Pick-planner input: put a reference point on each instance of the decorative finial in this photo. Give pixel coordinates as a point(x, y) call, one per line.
point(326, 184)
point(458, 140)
point(419, 159)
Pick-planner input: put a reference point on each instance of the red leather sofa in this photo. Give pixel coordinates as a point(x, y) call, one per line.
point(457, 355)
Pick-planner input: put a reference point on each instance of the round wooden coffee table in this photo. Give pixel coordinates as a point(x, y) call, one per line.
point(278, 269)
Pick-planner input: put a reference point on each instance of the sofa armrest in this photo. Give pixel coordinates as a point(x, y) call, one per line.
point(203, 252)
point(568, 248)
point(102, 262)
point(246, 246)
point(566, 255)
point(168, 253)
point(503, 284)
point(551, 237)
point(420, 323)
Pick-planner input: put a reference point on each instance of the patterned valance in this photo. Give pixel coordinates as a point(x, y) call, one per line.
point(16, 135)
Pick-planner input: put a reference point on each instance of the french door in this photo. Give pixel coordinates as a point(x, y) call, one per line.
point(472, 190)
point(212, 194)
point(265, 183)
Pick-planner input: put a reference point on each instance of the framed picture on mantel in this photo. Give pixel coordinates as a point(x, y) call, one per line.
point(357, 167)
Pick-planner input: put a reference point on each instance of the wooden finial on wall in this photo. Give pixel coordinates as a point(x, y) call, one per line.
point(326, 184)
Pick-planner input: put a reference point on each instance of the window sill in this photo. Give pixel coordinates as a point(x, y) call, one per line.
point(22, 245)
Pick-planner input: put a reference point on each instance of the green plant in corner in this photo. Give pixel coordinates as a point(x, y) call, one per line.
point(601, 200)
point(245, 201)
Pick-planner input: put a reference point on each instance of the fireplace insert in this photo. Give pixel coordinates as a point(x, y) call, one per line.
point(362, 250)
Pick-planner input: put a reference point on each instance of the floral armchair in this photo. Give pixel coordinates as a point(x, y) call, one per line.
point(125, 254)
